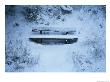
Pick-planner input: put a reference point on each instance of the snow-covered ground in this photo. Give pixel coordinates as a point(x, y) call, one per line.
point(86, 55)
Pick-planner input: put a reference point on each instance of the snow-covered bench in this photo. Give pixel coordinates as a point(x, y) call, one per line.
point(52, 32)
point(43, 39)
point(52, 38)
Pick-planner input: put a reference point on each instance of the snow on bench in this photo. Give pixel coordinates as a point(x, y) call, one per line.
point(53, 36)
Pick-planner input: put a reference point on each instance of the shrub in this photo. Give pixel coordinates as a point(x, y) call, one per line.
point(31, 13)
point(17, 56)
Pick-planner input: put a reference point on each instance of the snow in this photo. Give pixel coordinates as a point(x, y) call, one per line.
point(86, 55)
point(66, 7)
point(54, 36)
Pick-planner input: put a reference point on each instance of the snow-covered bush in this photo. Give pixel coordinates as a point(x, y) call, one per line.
point(38, 13)
point(53, 11)
point(32, 13)
point(94, 53)
point(66, 9)
point(97, 49)
point(57, 11)
point(17, 57)
point(94, 10)
point(87, 64)
point(82, 63)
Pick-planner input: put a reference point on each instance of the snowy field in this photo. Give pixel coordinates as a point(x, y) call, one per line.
point(86, 55)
